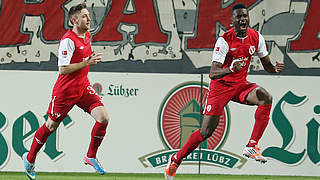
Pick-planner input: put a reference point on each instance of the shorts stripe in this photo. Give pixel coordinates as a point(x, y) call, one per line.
point(52, 104)
point(206, 101)
point(205, 105)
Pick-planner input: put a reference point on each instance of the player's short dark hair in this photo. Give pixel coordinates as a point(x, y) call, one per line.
point(238, 6)
point(76, 9)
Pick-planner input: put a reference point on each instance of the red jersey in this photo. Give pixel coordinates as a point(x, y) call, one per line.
point(72, 49)
point(229, 47)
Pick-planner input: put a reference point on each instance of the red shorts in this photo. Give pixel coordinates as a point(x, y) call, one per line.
point(222, 92)
point(59, 106)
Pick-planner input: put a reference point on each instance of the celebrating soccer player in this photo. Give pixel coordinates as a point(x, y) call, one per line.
point(73, 88)
point(230, 62)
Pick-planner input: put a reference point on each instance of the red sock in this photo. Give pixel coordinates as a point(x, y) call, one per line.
point(261, 122)
point(39, 139)
point(97, 135)
point(193, 142)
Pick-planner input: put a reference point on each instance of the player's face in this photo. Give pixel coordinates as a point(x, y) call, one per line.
point(83, 20)
point(240, 21)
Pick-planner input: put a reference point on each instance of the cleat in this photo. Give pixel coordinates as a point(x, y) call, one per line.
point(254, 153)
point(29, 167)
point(171, 169)
point(95, 164)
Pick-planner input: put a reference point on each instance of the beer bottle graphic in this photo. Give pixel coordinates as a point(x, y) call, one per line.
point(190, 121)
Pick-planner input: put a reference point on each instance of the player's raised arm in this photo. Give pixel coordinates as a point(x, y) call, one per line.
point(218, 58)
point(265, 59)
point(269, 67)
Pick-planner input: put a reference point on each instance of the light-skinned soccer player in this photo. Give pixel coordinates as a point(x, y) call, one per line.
point(73, 88)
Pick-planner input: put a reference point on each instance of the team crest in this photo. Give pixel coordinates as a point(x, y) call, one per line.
point(179, 116)
point(252, 50)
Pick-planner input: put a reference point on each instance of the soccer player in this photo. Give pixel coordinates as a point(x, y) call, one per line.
point(230, 62)
point(73, 88)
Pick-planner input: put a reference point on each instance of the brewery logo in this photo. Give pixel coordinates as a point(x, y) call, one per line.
point(179, 116)
point(98, 88)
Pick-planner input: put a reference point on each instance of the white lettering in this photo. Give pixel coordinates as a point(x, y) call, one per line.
point(158, 160)
point(164, 159)
point(227, 161)
point(215, 157)
point(221, 159)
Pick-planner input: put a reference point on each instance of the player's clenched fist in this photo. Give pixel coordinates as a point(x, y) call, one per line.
point(94, 59)
point(235, 65)
point(278, 67)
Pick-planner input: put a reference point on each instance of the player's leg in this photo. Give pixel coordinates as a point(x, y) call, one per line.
point(209, 124)
point(90, 102)
point(39, 140)
point(99, 129)
point(263, 100)
point(218, 97)
point(41, 137)
point(56, 113)
point(97, 134)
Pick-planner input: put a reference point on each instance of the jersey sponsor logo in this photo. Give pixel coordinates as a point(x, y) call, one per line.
point(252, 50)
point(81, 47)
point(233, 49)
point(64, 53)
point(217, 49)
point(177, 121)
point(241, 59)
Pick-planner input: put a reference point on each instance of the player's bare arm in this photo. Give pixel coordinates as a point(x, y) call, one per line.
point(217, 72)
point(269, 67)
point(92, 60)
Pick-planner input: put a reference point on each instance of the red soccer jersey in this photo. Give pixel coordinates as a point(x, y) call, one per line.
point(72, 49)
point(229, 47)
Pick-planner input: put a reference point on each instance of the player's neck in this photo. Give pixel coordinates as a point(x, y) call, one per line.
point(241, 34)
point(79, 32)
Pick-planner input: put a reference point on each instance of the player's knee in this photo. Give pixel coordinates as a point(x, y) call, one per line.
point(206, 132)
point(264, 96)
point(52, 126)
point(104, 119)
point(269, 100)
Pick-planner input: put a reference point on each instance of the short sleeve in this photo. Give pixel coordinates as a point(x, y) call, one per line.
point(66, 49)
point(262, 49)
point(220, 50)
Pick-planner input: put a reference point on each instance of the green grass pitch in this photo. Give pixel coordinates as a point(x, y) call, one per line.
point(127, 176)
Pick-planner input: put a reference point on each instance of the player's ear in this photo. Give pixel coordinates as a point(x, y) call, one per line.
point(232, 18)
point(74, 19)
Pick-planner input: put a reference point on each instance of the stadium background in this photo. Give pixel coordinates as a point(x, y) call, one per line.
point(152, 49)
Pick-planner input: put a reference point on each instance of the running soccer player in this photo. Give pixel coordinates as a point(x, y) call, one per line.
point(230, 62)
point(73, 88)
